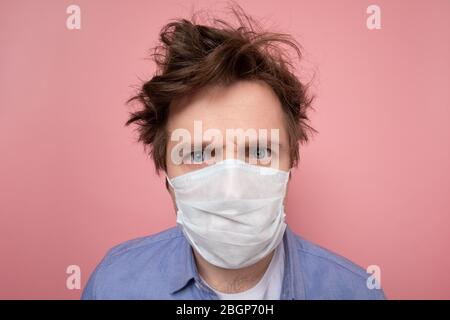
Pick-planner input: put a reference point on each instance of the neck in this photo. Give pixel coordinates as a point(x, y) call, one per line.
point(232, 280)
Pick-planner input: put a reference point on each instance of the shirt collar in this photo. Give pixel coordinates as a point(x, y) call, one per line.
point(185, 269)
point(293, 286)
point(183, 264)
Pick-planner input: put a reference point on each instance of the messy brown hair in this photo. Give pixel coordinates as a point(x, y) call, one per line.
point(192, 55)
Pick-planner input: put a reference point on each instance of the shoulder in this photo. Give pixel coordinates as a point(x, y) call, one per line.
point(328, 275)
point(148, 244)
point(129, 268)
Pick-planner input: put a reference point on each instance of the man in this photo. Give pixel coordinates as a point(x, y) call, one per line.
point(223, 119)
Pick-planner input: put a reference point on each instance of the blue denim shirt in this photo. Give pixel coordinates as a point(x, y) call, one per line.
point(162, 266)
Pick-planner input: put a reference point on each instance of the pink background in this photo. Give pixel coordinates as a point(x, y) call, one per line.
point(373, 185)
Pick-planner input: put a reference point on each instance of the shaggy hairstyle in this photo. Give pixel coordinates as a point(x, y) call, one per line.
point(191, 56)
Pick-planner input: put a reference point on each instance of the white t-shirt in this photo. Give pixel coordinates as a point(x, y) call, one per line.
point(268, 287)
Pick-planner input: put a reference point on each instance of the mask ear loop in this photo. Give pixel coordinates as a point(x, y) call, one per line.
point(168, 180)
point(173, 188)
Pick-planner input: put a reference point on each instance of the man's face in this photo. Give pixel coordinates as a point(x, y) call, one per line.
point(248, 105)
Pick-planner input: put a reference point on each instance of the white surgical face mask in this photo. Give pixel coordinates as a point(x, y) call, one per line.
point(232, 212)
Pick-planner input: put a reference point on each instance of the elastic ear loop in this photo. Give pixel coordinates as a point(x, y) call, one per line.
point(176, 203)
point(168, 180)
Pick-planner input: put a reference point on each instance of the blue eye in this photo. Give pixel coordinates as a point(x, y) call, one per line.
point(197, 156)
point(261, 153)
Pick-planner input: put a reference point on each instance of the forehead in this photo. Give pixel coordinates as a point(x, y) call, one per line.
point(243, 104)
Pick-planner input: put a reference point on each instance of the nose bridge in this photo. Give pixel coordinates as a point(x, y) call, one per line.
point(230, 183)
point(230, 179)
point(231, 148)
